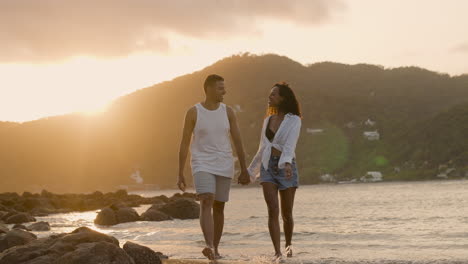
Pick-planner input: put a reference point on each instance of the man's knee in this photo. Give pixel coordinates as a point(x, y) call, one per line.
point(206, 200)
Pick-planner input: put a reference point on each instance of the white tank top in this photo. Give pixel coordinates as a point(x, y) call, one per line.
point(211, 146)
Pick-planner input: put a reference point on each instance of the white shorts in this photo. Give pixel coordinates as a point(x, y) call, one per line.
point(206, 182)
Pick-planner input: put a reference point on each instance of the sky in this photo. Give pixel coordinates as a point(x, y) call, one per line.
point(64, 56)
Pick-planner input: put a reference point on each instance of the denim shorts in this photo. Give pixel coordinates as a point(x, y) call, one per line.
point(277, 176)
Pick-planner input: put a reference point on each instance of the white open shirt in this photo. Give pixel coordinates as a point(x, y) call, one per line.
point(285, 141)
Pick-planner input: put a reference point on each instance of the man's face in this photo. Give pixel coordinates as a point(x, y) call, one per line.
point(218, 91)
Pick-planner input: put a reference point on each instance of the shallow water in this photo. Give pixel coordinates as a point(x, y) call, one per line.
point(405, 222)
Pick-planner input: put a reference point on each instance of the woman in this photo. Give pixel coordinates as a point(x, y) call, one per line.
point(275, 165)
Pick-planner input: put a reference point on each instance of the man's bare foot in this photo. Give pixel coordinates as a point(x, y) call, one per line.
point(289, 252)
point(278, 258)
point(208, 253)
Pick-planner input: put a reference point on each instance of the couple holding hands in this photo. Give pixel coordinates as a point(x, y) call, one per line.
point(208, 127)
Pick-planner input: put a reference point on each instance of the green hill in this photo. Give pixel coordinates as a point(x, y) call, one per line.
point(143, 129)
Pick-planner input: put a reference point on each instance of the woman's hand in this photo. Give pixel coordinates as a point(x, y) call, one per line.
point(288, 171)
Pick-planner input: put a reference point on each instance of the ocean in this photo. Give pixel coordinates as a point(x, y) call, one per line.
point(388, 222)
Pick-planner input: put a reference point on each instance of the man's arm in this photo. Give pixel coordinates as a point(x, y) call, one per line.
point(189, 124)
point(244, 177)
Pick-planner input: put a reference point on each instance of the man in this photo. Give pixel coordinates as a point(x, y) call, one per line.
point(211, 122)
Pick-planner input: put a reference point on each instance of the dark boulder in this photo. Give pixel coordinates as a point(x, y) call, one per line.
point(106, 217)
point(154, 215)
point(20, 218)
point(39, 226)
point(142, 254)
point(82, 246)
point(3, 228)
point(15, 237)
point(98, 252)
point(20, 226)
point(126, 214)
point(182, 208)
point(115, 215)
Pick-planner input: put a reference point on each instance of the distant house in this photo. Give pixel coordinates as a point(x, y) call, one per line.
point(327, 178)
point(371, 135)
point(136, 176)
point(445, 175)
point(372, 176)
point(314, 130)
point(369, 122)
point(350, 125)
point(237, 108)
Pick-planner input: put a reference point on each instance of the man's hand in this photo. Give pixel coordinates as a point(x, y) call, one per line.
point(288, 171)
point(181, 182)
point(244, 178)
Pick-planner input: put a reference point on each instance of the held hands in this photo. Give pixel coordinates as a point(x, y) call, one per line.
point(244, 178)
point(288, 171)
point(181, 182)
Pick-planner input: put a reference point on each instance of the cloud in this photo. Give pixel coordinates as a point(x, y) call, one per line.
point(461, 48)
point(50, 30)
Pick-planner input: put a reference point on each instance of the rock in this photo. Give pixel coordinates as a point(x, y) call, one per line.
point(106, 217)
point(154, 215)
point(183, 195)
point(8, 214)
point(142, 254)
point(87, 235)
point(182, 208)
point(96, 195)
point(99, 252)
point(44, 211)
point(47, 194)
point(20, 226)
point(157, 199)
point(31, 203)
point(39, 226)
point(28, 195)
point(125, 215)
point(20, 218)
point(82, 246)
point(121, 193)
point(3, 228)
point(15, 237)
point(115, 215)
point(4, 208)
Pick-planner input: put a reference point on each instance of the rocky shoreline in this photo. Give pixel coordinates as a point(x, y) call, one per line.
point(83, 245)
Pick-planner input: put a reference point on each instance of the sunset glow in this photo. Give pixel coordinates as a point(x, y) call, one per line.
point(40, 78)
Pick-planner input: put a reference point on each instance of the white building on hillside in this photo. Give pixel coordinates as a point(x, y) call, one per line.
point(371, 135)
point(314, 130)
point(369, 122)
point(372, 176)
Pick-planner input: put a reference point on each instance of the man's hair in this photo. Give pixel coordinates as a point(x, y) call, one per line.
point(211, 80)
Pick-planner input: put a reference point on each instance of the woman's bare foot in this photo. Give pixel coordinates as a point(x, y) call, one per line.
point(289, 252)
point(208, 253)
point(216, 254)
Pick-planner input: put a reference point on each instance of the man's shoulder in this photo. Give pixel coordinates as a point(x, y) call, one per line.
point(192, 109)
point(191, 112)
point(229, 110)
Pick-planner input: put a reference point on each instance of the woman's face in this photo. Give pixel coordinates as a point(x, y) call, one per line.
point(275, 98)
